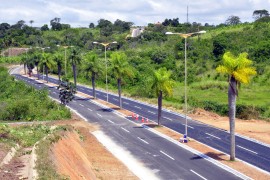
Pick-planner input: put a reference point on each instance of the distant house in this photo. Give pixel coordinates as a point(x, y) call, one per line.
point(13, 51)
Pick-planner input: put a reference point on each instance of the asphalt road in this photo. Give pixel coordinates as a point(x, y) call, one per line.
point(249, 151)
point(167, 160)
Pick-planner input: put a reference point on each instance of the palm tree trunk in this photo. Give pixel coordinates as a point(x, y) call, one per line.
point(232, 108)
point(159, 106)
point(74, 74)
point(59, 72)
point(94, 84)
point(46, 71)
point(119, 92)
point(37, 73)
point(24, 66)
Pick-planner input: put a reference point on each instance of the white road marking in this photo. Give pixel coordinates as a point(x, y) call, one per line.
point(189, 126)
point(89, 109)
point(54, 92)
point(125, 103)
point(115, 99)
point(168, 118)
point(247, 149)
point(97, 93)
point(125, 129)
point(137, 107)
point(212, 135)
point(151, 112)
point(74, 101)
point(110, 121)
point(143, 140)
point(198, 174)
point(99, 115)
point(81, 105)
point(167, 155)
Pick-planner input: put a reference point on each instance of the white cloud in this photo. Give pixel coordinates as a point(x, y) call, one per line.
point(82, 12)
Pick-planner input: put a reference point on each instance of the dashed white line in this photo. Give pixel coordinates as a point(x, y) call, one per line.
point(151, 112)
point(143, 140)
point(115, 99)
point(125, 129)
point(110, 121)
point(125, 103)
point(138, 107)
point(99, 115)
point(167, 155)
point(168, 118)
point(89, 109)
point(212, 135)
point(198, 174)
point(82, 105)
point(188, 126)
point(247, 149)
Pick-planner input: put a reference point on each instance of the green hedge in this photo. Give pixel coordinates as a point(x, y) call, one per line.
point(21, 102)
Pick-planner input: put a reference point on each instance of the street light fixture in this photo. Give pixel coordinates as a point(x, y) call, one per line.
point(185, 36)
point(65, 47)
point(105, 46)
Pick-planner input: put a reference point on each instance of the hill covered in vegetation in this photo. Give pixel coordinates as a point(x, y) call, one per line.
point(154, 49)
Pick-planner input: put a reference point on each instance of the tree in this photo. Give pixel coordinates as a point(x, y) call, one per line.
point(91, 25)
point(162, 85)
point(55, 23)
point(24, 62)
point(257, 14)
point(120, 68)
point(239, 70)
point(75, 59)
point(31, 22)
point(59, 59)
point(45, 27)
point(233, 20)
point(47, 62)
point(92, 65)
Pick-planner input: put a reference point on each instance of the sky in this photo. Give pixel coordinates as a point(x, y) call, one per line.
point(80, 13)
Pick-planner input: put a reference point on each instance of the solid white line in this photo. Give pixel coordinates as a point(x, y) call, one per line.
point(151, 112)
point(168, 118)
point(189, 126)
point(89, 109)
point(81, 105)
point(198, 174)
point(99, 115)
point(166, 155)
point(143, 140)
point(247, 149)
point(125, 129)
point(212, 135)
point(137, 107)
point(110, 121)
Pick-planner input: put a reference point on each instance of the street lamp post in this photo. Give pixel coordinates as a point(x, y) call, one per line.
point(185, 89)
point(65, 47)
point(105, 46)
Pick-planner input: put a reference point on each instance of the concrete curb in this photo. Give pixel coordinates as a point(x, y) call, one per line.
point(10, 155)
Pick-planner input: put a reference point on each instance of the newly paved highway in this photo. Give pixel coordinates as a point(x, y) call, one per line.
point(166, 160)
point(249, 151)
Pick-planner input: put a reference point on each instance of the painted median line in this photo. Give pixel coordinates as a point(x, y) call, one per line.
point(219, 164)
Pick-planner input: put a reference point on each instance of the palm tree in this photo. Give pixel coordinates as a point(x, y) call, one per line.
point(31, 22)
point(239, 70)
point(120, 67)
point(24, 62)
point(37, 57)
point(59, 59)
point(92, 65)
point(162, 84)
point(47, 62)
point(75, 59)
